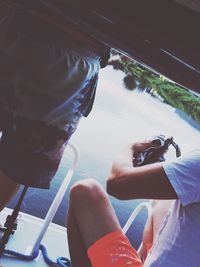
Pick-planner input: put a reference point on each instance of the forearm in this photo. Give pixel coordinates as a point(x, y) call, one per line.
point(122, 164)
point(146, 182)
point(133, 182)
point(128, 182)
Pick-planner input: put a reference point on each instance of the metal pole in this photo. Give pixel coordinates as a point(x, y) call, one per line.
point(57, 200)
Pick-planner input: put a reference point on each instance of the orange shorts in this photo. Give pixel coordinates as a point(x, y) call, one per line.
point(113, 250)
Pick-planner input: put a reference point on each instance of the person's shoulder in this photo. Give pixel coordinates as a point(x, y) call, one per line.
point(190, 159)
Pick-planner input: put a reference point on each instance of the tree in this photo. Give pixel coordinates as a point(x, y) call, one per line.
point(130, 82)
point(177, 96)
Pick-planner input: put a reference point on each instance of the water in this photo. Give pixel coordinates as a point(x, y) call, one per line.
point(119, 116)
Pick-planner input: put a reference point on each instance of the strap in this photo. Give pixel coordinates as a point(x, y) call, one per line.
point(10, 223)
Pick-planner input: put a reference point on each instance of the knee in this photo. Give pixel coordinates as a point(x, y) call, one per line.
point(88, 189)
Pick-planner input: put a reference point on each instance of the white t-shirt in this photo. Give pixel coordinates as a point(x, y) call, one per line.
point(178, 241)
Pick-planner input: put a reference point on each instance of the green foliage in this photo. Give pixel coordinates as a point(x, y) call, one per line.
point(117, 64)
point(173, 94)
point(179, 97)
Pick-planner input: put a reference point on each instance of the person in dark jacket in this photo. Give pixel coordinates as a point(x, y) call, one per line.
point(48, 77)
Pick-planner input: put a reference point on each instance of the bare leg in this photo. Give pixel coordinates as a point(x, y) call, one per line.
point(90, 217)
point(77, 248)
point(152, 226)
point(8, 189)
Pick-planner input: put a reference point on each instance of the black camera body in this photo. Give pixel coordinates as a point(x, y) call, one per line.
point(155, 153)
